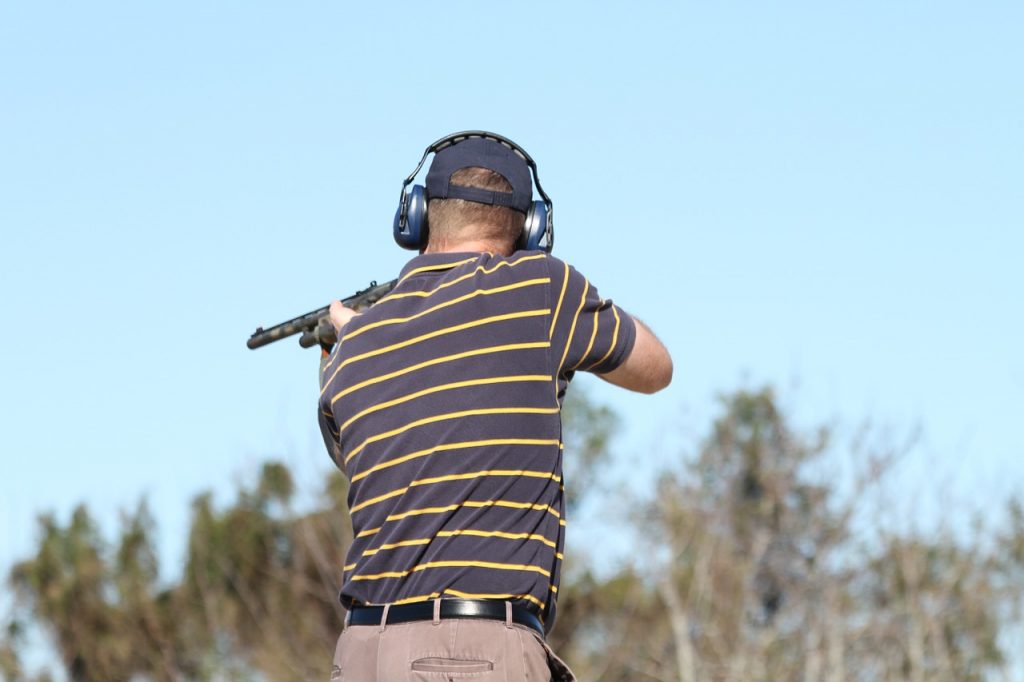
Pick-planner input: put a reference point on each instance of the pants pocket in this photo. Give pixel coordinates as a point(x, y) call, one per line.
point(451, 665)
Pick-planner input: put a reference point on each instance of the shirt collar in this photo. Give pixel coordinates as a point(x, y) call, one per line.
point(437, 262)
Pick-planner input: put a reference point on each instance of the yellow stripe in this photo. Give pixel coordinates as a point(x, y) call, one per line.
point(572, 329)
point(455, 564)
point(331, 359)
point(446, 304)
point(453, 477)
point(553, 588)
point(430, 335)
point(445, 417)
point(378, 576)
point(593, 335)
point(350, 567)
point(368, 532)
point(422, 597)
point(461, 278)
point(491, 472)
point(615, 338)
point(375, 500)
point(329, 420)
point(454, 533)
point(473, 504)
point(452, 446)
point(558, 308)
point(392, 545)
point(434, 268)
point(497, 534)
point(474, 595)
point(443, 387)
point(424, 510)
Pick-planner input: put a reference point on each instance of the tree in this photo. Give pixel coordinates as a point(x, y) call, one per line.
point(763, 578)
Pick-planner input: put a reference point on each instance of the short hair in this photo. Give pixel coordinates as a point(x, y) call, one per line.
point(449, 220)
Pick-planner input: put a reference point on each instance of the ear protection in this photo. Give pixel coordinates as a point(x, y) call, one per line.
point(411, 227)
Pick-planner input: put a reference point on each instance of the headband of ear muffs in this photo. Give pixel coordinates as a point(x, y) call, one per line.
point(480, 149)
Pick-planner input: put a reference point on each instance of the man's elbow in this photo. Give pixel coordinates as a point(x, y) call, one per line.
point(647, 373)
point(660, 377)
point(651, 361)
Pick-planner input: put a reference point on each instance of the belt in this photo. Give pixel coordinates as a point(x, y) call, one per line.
point(450, 608)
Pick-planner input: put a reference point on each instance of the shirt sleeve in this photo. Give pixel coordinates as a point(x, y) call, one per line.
point(330, 440)
point(588, 333)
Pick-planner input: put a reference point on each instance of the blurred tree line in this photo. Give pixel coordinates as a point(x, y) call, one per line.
point(750, 562)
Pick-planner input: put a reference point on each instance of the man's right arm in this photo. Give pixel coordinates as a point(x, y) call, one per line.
point(592, 334)
point(647, 368)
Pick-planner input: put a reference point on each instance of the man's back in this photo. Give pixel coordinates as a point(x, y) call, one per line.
point(445, 400)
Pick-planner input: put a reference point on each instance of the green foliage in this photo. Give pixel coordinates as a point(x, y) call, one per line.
point(10, 661)
point(257, 598)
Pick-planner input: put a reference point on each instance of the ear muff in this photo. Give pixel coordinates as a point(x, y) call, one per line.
point(410, 226)
point(537, 232)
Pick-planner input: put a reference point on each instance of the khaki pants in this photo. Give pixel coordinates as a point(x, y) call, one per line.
point(447, 650)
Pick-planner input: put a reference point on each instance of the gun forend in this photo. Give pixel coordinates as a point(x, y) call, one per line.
point(314, 325)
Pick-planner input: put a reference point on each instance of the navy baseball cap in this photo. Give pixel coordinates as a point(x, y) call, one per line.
point(481, 153)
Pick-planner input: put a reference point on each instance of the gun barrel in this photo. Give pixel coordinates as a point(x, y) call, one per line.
point(302, 323)
point(308, 324)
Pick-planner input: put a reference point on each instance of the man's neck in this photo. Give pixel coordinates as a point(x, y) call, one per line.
point(470, 246)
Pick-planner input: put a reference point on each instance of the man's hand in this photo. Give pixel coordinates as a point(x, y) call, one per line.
point(340, 316)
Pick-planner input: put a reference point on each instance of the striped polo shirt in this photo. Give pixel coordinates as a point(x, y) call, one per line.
point(441, 404)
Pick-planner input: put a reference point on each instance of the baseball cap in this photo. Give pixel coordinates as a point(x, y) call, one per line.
point(482, 153)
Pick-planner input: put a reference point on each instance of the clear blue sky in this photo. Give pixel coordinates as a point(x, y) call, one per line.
point(828, 197)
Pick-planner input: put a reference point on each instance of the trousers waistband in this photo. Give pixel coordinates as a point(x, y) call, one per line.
point(445, 608)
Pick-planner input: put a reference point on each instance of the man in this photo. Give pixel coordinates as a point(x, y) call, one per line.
point(441, 404)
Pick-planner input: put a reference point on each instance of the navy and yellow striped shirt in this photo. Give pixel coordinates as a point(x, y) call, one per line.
point(443, 403)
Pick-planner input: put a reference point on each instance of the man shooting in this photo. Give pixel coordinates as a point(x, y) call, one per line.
point(441, 404)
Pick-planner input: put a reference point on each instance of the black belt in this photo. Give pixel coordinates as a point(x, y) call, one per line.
point(450, 608)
